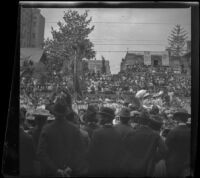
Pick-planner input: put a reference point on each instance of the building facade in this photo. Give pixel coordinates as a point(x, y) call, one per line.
point(96, 66)
point(149, 58)
point(32, 25)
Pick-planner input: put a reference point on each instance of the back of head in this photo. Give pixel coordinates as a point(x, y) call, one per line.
point(62, 106)
point(90, 115)
point(106, 115)
point(124, 115)
point(143, 118)
point(155, 123)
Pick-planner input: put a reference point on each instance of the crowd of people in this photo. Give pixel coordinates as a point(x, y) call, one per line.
point(139, 77)
point(98, 141)
point(134, 123)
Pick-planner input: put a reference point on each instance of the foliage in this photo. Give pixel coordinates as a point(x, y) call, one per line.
point(177, 41)
point(40, 73)
point(70, 40)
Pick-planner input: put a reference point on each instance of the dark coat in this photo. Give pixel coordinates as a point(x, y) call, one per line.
point(60, 146)
point(105, 152)
point(26, 153)
point(35, 133)
point(142, 146)
point(90, 128)
point(123, 129)
point(178, 157)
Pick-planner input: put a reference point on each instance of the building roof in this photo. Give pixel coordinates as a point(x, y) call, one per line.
point(33, 54)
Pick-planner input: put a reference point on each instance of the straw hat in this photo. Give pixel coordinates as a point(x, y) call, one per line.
point(140, 93)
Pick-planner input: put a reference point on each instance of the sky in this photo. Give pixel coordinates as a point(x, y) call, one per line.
point(119, 30)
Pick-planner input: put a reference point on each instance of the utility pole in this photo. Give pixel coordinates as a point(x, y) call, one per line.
point(75, 82)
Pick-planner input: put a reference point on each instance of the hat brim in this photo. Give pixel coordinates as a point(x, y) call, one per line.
point(105, 113)
point(181, 115)
point(124, 116)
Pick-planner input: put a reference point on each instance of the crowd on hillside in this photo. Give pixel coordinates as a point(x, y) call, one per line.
point(138, 77)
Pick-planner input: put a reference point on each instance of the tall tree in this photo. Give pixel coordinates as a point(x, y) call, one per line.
point(70, 38)
point(177, 41)
point(103, 69)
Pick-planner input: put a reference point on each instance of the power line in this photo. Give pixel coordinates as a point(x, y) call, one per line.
point(111, 51)
point(129, 23)
point(100, 40)
point(131, 44)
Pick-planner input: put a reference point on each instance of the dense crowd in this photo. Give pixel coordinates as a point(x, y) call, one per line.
point(97, 141)
point(140, 77)
point(134, 123)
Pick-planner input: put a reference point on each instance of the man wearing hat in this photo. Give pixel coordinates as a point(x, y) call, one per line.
point(143, 145)
point(124, 127)
point(105, 147)
point(91, 120)
point(178, 143)
point(60, 146)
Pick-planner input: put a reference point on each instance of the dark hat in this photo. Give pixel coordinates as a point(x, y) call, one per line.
point(125, 112)
point(154, 110)
point(107, 111)
point(89, 116)
point(92, 109)
point(155, 122)
point(181, 116)
point(61, 107)
point(143, 118)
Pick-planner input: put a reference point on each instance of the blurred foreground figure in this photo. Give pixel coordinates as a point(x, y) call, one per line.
point(91, 120)
point(105, 148)
point(144, 147)
point(178, 143)
point(124, 127)
point(26, 150)
point(60, 146)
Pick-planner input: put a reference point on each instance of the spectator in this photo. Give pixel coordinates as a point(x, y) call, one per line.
point(178, 143)
point(105, 147)
point(60, 146)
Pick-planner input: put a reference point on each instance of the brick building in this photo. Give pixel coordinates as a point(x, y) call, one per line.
point(32, 25)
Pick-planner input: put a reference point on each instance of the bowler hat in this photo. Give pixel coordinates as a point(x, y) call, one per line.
point(181, 116)
point(155, 122)
point(89, 116)
point(107, 111)
point(125, 112)
point(61, 107)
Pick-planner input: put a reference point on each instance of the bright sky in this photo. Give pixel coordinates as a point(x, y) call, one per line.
point(119, 30)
